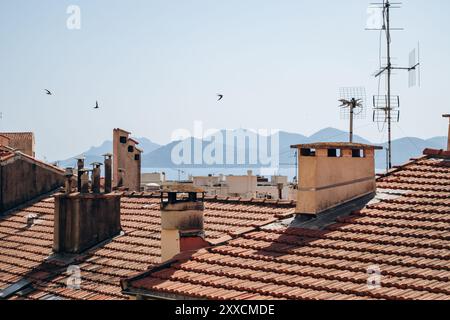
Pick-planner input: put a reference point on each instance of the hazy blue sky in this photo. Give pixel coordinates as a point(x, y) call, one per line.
point(156, 66)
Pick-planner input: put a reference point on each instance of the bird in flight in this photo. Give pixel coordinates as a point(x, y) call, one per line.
point(96, 105)
point(220, 97)
point(48, 92)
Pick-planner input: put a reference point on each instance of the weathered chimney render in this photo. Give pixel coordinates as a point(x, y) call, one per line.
point(85, 219)
point(331, 174)
point(108, 172)
point(80, 167)
point(96, 172)
point(181, 221)
point(448, 137)
point(126, 159)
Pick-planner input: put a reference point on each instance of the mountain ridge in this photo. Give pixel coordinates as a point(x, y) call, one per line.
point(160, 156)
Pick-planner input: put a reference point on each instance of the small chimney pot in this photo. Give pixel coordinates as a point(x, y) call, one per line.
point(108, 172)
point(68, 175)
point(80, 167)
point(96, 172)
point(84, 181)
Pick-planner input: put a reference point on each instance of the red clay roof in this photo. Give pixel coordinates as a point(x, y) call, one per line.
point(407, 236)
point(6, 154)
point(23, 249)
point(18, 135)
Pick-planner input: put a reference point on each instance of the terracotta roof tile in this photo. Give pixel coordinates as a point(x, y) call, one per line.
point(23, 249)
point(407, 238)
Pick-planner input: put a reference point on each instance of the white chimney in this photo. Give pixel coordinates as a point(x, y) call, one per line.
point(448, 136)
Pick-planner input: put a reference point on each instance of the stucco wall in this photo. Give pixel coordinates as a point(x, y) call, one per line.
point(84, 220)
point(22, 181)
point(123, 159)
point(326, 182)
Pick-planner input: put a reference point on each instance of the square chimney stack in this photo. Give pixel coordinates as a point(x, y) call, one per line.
point(181, 220)
point(88, 217)
point(126, 161)
point(331, 174)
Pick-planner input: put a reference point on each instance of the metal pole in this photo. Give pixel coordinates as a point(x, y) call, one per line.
point(352, 108)
point(389, 70)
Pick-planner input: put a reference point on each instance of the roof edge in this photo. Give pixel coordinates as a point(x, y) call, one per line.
point(336, 145)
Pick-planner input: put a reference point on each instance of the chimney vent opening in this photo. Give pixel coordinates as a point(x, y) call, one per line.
point(332, 153)
point(307, 152)
point(356, 153)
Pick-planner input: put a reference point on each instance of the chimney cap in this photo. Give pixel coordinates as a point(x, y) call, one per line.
point(336, 145)
point(68, 172)
point(133, 140)
point(182, 188)
point(446, 115)
point(82, 157)
point(122, 130)
point(96, 164)
point(107, 155)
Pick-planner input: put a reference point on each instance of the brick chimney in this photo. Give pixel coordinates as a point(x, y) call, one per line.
point(331, 174)
point(181, 220)
point(126, 159)
point(85, 218)
point(448, 137)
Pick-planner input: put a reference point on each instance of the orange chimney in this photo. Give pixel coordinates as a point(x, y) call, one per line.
point(331, 174)
point(126, 161)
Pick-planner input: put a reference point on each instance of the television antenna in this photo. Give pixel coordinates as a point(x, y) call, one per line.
point(180, 172)
point(353, 105)
point(385, 109)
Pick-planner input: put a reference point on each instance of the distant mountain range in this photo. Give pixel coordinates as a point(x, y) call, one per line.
point(157, 156)
point(94, 154)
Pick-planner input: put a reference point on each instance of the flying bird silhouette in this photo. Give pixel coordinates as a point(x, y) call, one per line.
point(96, 105)
point(48, 92)
point(220, 97)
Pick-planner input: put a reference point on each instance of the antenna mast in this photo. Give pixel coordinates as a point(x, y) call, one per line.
point(387, 108)
point(352, 106)
point(389, 71)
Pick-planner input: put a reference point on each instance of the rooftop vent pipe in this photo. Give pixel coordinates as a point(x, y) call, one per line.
point(448, 137)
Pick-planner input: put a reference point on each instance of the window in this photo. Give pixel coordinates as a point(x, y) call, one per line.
point(308, 152)
point(332, 153)
point(123, 139)
point(137, 157)
point(356, 153)
point(130, 149)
